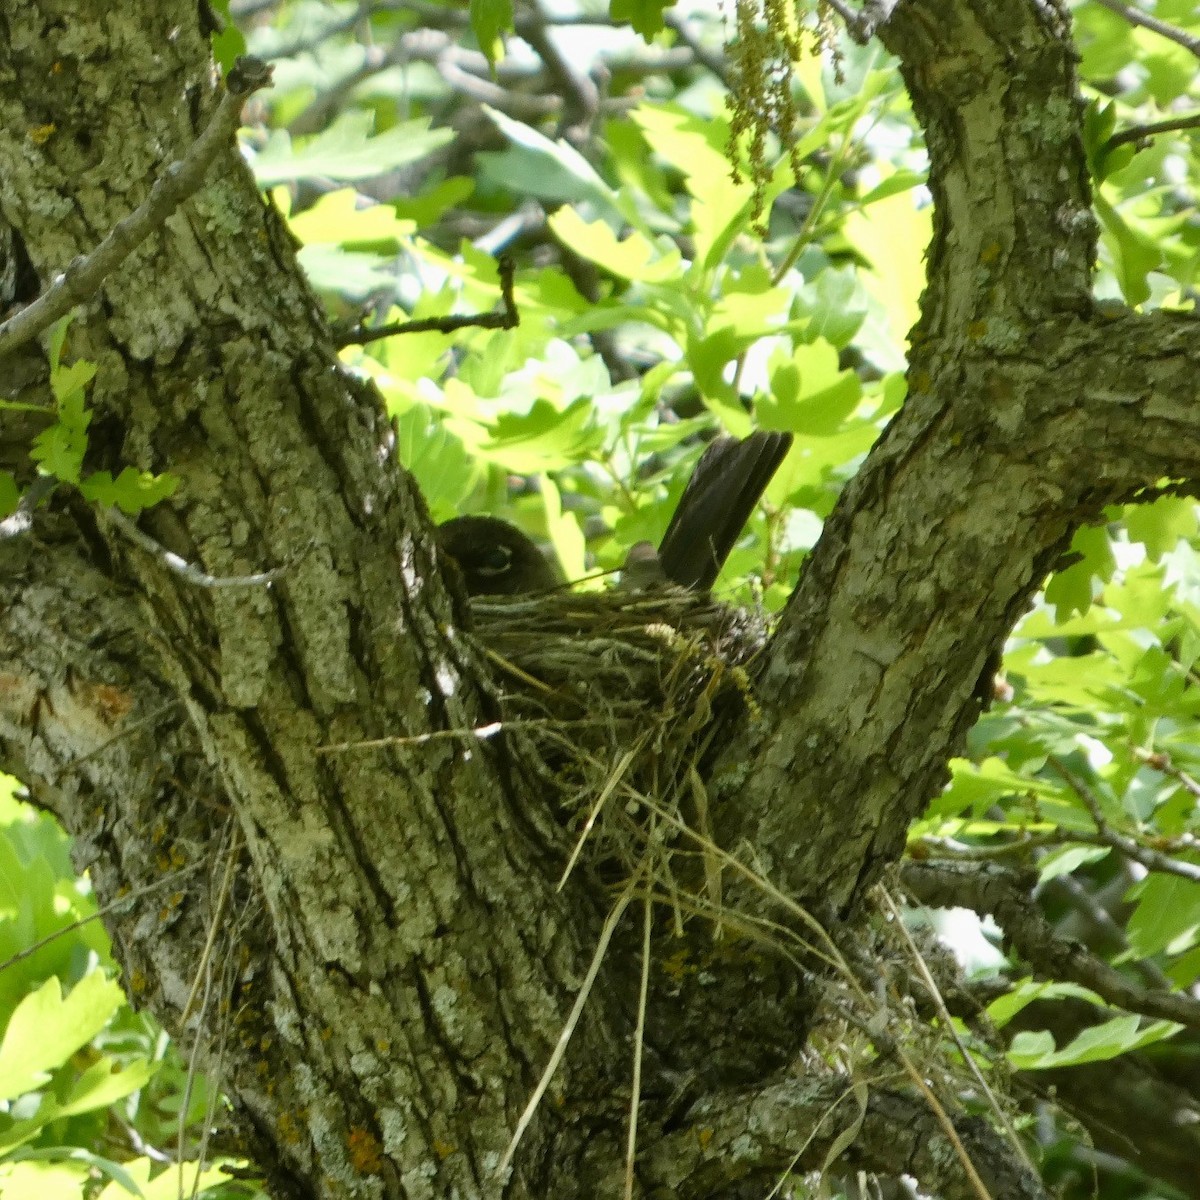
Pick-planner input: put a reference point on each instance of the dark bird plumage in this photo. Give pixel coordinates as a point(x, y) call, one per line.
point(497, 559)
point(716, 504)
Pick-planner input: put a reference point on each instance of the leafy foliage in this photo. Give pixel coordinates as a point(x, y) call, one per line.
point(652, 314)
point(59, 450)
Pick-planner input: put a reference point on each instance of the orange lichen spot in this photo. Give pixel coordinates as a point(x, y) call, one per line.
point(383, 1046)
point(921, 382)
point(366, 1154)
point(138, 983)
point(976, 330)
point(443, 1149)
point(704, 1136)
point(158, 834)
point(41, 134)
point(326, 1033)
point(264, 1042)
point(111, 702)
point(162, 862)
point(990, 253)
point(178, 858)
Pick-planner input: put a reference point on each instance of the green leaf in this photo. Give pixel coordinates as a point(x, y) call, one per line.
point(42, 1180)
point(1025, 991)
point(893, 237)
point(342, 218)
point(1167, 916)
point(229, 43)
point(105, 1082)
point(630, 257)
point(1035, 1051)
point(1134, 254)
point(545, 438)
point(439, 461)
point(177, 1180)
point(646, 16)
point(60, 448)
point(350, 273)
point(489, 20)
point(551, 170)
point(430, 204)
point(1160, 525)
point(131, 491)
point(1070, 590)
point(566, 536)
point(46, 1029)
point(720, 208)
point(346, 150)
point(809, 394)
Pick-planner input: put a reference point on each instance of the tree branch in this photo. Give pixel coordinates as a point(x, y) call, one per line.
point(986, 888)
point(1135, 16)
point(794, 1125)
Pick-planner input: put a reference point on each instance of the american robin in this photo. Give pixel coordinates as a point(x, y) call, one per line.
point(497, 559)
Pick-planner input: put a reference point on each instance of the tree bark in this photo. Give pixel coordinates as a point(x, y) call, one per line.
point(391, 949)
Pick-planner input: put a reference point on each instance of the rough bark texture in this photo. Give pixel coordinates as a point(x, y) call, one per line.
point(388, 935)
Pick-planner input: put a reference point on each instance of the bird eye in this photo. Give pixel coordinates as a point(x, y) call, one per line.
point(495, 560)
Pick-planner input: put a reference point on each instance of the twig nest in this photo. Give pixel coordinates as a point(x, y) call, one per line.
point(640, 656)
point(617, 690)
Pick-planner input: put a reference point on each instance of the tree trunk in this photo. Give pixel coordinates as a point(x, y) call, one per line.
point(374, 940)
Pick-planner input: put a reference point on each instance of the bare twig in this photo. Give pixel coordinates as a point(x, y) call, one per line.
point(116, 905)
point(1139, 133)
point(507, 318)
point(178, 181)
point(1152, 860)
point(479, 733)
point(21, 521)
point(531, 24)
point(180, 566)
point(1135, 16)
point(939, 1004)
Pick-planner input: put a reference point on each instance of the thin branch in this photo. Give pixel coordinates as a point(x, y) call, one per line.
point(864, 25)
point(935, 996)
point(182, 567)
point(122, 902)
point(716, 63)
point(507, 318)
point(989, 889)
point(579, 86)
point(1139, 133)
point(1135, 16)
point(179, 180)
point(21, 521)
point(1152, 860)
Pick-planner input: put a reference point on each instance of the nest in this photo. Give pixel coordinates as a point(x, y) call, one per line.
point(619, 691)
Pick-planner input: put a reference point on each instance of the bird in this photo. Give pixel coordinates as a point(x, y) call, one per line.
point(497, 559)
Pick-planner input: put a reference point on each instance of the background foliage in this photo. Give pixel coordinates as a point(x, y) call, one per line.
point(662, 298)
